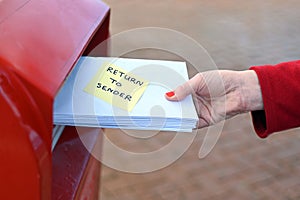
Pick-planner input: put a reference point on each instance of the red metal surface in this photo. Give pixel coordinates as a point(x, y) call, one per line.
point(90, 186)
point(25, 159)
point(40, 43)
point(75, 171)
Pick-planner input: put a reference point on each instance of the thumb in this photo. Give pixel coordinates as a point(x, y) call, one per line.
point(185, 89)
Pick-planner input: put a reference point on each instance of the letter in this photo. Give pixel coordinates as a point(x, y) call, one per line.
point(98, 85)
point(121, 74)
point(104, 87)
point(116, 92)
point(109, 69)
point(140, 83)
point(132, 80)
point(122, 94)
point(110, 90)
point(115, 72)
point(112, 80)
point(118, 84)
point(128, 97)
point(127, 77)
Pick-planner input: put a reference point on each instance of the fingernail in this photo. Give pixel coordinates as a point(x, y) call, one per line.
point(170, 94)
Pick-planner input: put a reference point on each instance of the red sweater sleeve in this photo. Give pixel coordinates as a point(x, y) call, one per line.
point(280, 86)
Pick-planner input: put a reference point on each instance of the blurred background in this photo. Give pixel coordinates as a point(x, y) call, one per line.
point(236, 34)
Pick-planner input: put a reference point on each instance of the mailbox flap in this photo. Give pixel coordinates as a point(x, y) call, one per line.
point(41, 40)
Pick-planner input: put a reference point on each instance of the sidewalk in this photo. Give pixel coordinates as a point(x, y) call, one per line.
point(237, 35)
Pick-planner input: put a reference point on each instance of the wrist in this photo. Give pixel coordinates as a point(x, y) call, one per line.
point(250, 91)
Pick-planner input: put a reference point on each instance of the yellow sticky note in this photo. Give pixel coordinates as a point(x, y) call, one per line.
point(117, 86)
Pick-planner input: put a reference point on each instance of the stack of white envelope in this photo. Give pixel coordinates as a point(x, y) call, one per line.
point(75, 107)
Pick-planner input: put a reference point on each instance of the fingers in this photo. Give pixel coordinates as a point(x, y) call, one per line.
point(186, 89)
point(202, 123)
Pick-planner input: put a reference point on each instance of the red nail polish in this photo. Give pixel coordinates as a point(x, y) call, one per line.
point(170, 94)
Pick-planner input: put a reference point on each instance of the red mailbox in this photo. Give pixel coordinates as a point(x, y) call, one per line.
point(40, 41)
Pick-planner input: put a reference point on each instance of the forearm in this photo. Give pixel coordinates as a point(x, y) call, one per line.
point(280, 86)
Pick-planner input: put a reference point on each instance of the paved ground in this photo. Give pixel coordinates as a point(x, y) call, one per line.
point(237, 34)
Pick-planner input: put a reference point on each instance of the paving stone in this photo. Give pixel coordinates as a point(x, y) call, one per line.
point(237, 35)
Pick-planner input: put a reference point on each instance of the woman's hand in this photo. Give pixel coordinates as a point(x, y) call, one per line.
point(221, 94)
